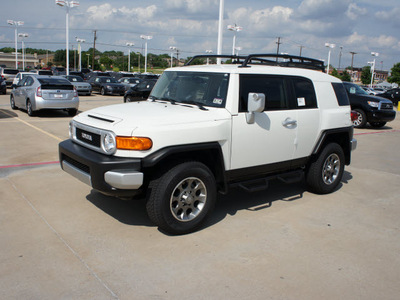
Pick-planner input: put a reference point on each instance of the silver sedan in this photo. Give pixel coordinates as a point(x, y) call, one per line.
point(35, 92)
point(83, 88)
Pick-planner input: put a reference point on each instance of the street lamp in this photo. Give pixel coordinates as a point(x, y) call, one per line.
point(129, 55)
point(237, 50)
point(146, 38)
point(88, 54)
point(208, 52)
point(67, 4)
point(330, 46)
point(22, 36)
point(16, 24)
point(374, 54)
point(172, 48)
point(235, 29)
point(80, 52)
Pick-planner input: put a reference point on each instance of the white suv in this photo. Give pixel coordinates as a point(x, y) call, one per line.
point(206, 128)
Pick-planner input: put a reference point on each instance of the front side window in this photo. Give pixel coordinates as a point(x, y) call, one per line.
point(274, 88)
point(206, 89)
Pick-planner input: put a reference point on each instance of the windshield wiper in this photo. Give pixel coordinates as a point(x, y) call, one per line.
point(162, 99)
point(198, 104)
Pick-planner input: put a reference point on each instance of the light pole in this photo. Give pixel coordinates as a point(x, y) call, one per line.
point(340, 56)
point(67, 4)
point(129, 55)
point(235, 29)
point(80, 52)
point(146, 38)
point(220, 29)
point(16, 24)
point(172, 48)
point(237, 50)
point(88, 54)
point(139, 55)
point(330, 46)
point(22, 36)
point(374, 54)
point(208, 52)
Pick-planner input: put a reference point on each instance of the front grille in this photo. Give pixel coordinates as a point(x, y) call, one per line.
point(80, 166)
point(88, 137)
point(385, 105)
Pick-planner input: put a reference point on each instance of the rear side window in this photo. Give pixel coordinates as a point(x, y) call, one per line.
point(341, 94)
point(305, 93)
point(10, 71)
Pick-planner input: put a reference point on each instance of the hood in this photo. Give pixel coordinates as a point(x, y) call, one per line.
point(124, 118)
point(369, 97)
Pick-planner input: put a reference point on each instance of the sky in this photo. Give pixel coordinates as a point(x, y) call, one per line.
point(362, 26)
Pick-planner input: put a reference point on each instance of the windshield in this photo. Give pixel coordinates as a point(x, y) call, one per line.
point(107, 80)
point(354, 89)
point(207, 89)
point(75, 78)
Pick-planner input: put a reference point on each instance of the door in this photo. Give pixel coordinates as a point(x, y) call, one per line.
point(271, 138)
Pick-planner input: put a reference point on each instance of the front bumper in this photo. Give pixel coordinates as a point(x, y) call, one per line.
point(381, 115)
point(110, 175)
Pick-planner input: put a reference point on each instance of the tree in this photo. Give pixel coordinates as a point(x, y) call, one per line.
point(345, 76)
point(395, 77)
point(366, 75)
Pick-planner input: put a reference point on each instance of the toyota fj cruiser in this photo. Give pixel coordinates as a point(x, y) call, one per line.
point(206, 128)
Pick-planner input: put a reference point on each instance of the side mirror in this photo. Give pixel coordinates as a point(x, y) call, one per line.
point(255, 103)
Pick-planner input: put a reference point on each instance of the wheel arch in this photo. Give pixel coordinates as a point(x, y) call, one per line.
point(210, 154)
point(340, 136)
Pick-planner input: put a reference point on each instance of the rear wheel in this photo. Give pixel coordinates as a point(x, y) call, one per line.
point(129, 99)
point(72, 111)
point(325, 173)
point(29, 108)
point(12, 102)
point(361, 119)
point(180, 199)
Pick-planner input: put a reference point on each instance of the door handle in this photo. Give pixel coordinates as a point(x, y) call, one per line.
point(289, 122)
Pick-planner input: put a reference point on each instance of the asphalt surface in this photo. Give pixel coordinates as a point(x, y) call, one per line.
point(62, 240)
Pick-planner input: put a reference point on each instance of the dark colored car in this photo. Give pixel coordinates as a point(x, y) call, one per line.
point(372, 109)
point(106, 85)
point(3, 86)
point(140, 92)
point(392, 94)
point(97, 74)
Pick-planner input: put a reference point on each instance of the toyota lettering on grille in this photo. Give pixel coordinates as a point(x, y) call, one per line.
point(86, 136)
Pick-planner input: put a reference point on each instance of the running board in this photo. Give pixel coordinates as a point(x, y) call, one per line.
point(260, 184)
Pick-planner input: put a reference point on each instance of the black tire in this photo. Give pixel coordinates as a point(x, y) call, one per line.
point(377, 124)
point(102, 91)
point(29, 108)
point(72, 111)
point(326, 172)
point(180, 199)
point(12, 103)
point(361, 120)
point(129, 99)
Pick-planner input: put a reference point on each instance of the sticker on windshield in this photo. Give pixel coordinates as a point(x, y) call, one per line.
point(301, 101)
point(217, 101)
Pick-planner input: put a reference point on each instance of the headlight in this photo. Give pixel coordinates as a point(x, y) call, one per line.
point(71, 130)
point(373, 104)
point(109, 87)
point(3, 83)
point(109, 144)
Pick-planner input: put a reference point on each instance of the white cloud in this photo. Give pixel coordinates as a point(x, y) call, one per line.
point(354, 11)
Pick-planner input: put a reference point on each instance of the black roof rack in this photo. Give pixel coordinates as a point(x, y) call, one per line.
point(283, 60)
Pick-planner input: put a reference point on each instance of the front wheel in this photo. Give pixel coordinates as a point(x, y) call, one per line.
point(325, 173)
point(180, 199)
point(102, 91)
point(361, 119)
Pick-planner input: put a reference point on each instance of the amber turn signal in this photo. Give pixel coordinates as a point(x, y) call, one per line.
point(133, 143)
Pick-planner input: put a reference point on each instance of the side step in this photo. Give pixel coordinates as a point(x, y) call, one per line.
point(259, 184)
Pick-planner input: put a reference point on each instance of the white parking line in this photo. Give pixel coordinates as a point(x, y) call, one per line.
point(34, 127)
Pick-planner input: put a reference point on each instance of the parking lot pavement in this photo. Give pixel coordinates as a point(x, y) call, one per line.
point(61, 240)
